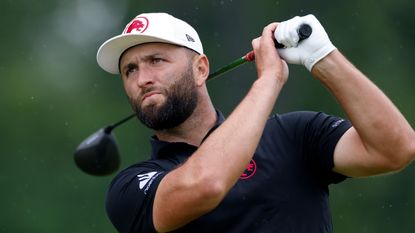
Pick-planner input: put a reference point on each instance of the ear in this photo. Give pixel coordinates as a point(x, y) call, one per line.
point(201, 69)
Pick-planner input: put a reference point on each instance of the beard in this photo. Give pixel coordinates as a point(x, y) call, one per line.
point(181, 101)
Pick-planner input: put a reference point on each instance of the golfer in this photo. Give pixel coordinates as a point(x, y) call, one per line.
point(253, 171)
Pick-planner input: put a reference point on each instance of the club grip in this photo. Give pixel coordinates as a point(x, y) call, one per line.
point(304, 31)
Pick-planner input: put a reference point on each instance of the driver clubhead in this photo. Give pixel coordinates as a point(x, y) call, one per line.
point(98, 154)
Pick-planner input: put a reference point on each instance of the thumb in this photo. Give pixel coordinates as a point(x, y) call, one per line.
point(290, 55)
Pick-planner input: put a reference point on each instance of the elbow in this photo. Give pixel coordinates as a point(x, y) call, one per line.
point(212, 191)
point(408, 153)
point(404, 156)
point(396, 165)
point(209, 191)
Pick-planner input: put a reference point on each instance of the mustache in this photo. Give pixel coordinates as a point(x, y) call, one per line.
point(146, 90)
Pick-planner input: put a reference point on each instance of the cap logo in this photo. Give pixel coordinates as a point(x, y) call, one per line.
point(189, 38)
point(139, 24)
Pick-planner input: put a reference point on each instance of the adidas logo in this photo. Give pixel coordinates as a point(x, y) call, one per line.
point(145, 178)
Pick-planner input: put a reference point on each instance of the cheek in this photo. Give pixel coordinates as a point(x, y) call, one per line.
point(130, 90)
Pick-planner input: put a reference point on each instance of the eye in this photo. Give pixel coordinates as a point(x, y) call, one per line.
point(130, 69)
point(156, 60)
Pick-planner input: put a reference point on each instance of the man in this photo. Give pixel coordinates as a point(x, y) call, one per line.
point(250, 172)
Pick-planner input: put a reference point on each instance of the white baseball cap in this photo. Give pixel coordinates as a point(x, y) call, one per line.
point(146, 28)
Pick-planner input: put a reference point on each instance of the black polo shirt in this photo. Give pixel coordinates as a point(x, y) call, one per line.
point(283, 189)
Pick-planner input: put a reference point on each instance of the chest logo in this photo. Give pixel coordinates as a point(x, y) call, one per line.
point(249, 171)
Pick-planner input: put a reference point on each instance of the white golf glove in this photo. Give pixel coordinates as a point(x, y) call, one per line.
point(308, 51)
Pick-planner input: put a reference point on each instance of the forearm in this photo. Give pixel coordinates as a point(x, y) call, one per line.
point(382, 128)
point(230, 148)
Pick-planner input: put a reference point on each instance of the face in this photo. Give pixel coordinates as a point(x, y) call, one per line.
point(159, 82)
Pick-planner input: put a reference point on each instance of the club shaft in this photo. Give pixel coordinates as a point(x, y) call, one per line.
point(111, 127)
point(242, 60)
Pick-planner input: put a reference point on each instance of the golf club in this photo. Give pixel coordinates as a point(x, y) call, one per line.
point(98, 154)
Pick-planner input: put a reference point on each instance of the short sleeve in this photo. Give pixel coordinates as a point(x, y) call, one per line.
point(130, 197)
point(318, 134)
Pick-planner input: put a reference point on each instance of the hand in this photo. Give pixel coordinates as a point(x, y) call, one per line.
point(268, 62)
point(307, 52)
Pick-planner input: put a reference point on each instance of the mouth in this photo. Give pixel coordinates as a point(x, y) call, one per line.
point(149, 94)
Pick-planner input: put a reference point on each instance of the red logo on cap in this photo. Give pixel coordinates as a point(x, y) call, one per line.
point(139, 24)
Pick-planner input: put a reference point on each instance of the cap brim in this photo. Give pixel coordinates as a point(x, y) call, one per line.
point(109, 53)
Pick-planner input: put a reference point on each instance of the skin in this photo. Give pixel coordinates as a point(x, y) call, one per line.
point(381, 140)
point(377, 143)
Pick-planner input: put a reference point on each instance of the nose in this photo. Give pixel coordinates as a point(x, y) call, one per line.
point(145, 78)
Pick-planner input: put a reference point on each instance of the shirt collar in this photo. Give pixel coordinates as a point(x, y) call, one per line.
point(161, 149)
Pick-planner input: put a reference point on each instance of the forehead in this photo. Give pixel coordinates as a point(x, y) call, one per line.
point(150, 49)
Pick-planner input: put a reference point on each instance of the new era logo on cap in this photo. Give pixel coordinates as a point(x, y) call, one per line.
point(189, 38)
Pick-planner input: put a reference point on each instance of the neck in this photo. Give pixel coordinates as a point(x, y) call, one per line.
point(195, 128)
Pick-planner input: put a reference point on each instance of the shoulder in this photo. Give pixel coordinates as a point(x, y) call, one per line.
point(296, 125)
point(297, 116)
point(304, 118)
point(291, 121)
point(131, 194)
point(135, 173)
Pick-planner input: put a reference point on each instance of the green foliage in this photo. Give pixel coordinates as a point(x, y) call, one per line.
point(54, 95)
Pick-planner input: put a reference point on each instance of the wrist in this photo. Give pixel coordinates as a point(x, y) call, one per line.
point(318, 55)
point(326, 65)
point(334, 70)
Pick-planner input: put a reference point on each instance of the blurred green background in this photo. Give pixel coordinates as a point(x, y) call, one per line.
point(53, 95)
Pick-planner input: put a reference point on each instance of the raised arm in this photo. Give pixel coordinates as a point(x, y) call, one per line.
point(381, 140)
point(194, 189)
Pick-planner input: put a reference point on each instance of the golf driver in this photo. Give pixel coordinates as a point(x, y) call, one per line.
point(98, 154)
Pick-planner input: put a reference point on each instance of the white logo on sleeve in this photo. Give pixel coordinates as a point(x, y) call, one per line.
point(337, 123)
point(145, 178)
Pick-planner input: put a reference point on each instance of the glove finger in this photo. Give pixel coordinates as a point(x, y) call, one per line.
point(292, 31)
point(286, 33)
point(279, 33)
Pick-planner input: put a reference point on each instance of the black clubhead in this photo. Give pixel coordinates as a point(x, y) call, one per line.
point(98, 154)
